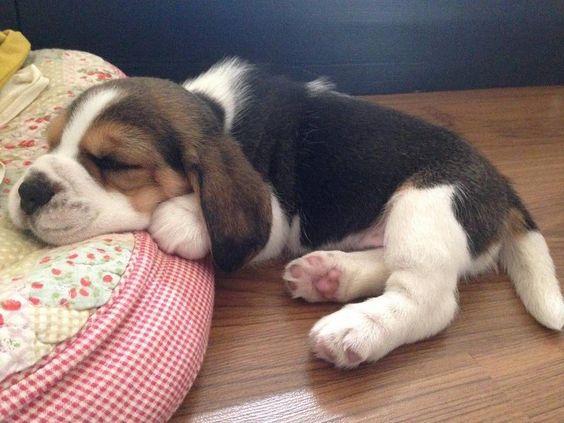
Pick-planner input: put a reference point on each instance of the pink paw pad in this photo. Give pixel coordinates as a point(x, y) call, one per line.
point(352, 356)
point(328, 284)
point(314, 277)
point(325, 352)
point(296, 271)
point(314, 260)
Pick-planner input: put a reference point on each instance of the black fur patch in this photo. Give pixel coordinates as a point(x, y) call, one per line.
point(336, 161)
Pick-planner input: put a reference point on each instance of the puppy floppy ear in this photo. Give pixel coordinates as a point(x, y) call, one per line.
point(234, 198)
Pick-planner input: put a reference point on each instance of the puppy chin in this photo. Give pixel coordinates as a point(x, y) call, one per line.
point(72, 221)
point(69, 219)
point(65, 222)
point(82, 222)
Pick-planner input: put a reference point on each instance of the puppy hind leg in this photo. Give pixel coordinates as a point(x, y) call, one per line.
point(336, 275)
point(425, 251)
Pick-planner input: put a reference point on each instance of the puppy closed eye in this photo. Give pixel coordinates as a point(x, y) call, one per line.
point(110, 163)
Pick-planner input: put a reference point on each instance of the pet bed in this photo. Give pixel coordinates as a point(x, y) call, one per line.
point(109, 329)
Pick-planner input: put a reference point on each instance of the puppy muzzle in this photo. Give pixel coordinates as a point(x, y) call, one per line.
point(61, 203)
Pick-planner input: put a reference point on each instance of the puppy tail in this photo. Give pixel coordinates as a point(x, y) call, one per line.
point(525, 256)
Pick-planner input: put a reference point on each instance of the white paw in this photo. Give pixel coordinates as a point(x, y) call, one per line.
point(314, 277)
point(178, 227)
point(348, 337)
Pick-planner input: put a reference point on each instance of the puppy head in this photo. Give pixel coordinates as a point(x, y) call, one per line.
point(125, 146)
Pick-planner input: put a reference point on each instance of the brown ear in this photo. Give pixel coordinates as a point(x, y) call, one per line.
point(235, 201)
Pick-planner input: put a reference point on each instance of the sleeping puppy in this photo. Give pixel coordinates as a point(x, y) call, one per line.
point(250, 166)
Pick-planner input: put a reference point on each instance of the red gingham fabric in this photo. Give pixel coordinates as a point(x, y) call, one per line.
point(138, 355)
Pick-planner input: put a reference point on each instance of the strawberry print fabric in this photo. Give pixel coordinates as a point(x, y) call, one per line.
point(80, 278)
point(42, 295)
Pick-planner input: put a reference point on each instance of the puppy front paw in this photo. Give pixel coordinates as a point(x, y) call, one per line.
point(349, 337)
point(178, 227)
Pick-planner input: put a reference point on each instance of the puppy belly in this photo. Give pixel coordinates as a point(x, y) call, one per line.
point(373, 238)
point(370, 238)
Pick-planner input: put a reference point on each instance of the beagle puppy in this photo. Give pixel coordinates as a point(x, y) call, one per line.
point(249, 166)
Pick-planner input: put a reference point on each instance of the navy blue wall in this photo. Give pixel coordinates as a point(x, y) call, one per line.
point(8, 15)
point(378, 46)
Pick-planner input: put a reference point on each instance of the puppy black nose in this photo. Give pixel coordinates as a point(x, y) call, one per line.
point(35, 192)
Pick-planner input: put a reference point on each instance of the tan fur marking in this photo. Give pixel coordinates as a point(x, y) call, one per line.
point(172, 183)
point(55, 130)
point(146, 199)
point(130, 180)
point(515, 223)
point(147, 186)
point(407, 185)
point(124, 142)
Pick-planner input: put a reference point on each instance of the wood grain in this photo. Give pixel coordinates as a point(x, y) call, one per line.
point(494, 363)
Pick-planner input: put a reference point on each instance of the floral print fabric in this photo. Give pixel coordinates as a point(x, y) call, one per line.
point(48, 294)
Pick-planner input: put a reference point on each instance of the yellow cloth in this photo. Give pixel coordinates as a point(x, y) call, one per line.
point(14, 48)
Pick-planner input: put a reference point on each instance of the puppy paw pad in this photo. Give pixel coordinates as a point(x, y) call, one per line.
point(352, 356)
point(314, 260)
point(296, 271)
point(324, 352)
point(313, 277)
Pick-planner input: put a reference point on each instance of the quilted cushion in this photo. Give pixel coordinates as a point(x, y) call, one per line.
point(106, 329)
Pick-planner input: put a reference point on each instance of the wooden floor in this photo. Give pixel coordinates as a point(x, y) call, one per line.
point(494, 363)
